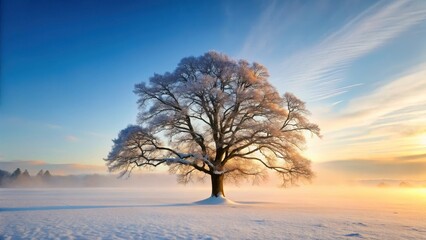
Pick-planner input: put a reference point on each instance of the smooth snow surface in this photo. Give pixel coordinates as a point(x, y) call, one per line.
point(99, 213)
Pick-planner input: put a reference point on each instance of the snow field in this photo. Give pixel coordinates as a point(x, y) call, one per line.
point(102, 213)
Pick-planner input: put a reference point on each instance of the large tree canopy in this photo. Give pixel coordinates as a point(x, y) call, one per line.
point(219, 117)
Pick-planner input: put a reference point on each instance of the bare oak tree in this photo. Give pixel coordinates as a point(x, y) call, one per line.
point(218, 117)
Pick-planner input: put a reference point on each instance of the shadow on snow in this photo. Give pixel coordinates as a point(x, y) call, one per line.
point(80, 207)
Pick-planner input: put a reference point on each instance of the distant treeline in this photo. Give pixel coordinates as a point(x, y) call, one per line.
point(45, 179)
point(19, 178)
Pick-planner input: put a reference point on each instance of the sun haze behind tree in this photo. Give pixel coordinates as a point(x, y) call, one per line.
point(214, 116)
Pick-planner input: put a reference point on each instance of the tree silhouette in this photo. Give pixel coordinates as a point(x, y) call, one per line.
point(16, 174)
point(47, 174)
point(213, 116)
point(40, 173)
point(26, 174)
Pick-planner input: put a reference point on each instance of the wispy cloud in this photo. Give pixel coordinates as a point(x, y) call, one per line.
point(275, 20)
point(14, 120)
point(97, 135)
point(413, 157)
point(387, 122)
point(374, 169)
point(337, 102)
point(265, 29)
point(71, 138)
point(388, 104)
point(320, 70)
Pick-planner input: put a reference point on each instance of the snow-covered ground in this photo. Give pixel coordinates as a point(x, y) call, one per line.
point(301, 213)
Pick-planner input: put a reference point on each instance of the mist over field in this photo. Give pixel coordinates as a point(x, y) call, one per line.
point(330, 174)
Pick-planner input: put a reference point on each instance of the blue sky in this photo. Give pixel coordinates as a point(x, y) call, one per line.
point(68, 69)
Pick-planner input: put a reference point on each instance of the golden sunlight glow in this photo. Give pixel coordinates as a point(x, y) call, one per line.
point(423, 139)
point(418, 193)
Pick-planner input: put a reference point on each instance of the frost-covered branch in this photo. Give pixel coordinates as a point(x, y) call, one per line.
point(135, 146)
point(216, 116)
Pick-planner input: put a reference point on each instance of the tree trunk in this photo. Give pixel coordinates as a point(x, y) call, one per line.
point(217, 185)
